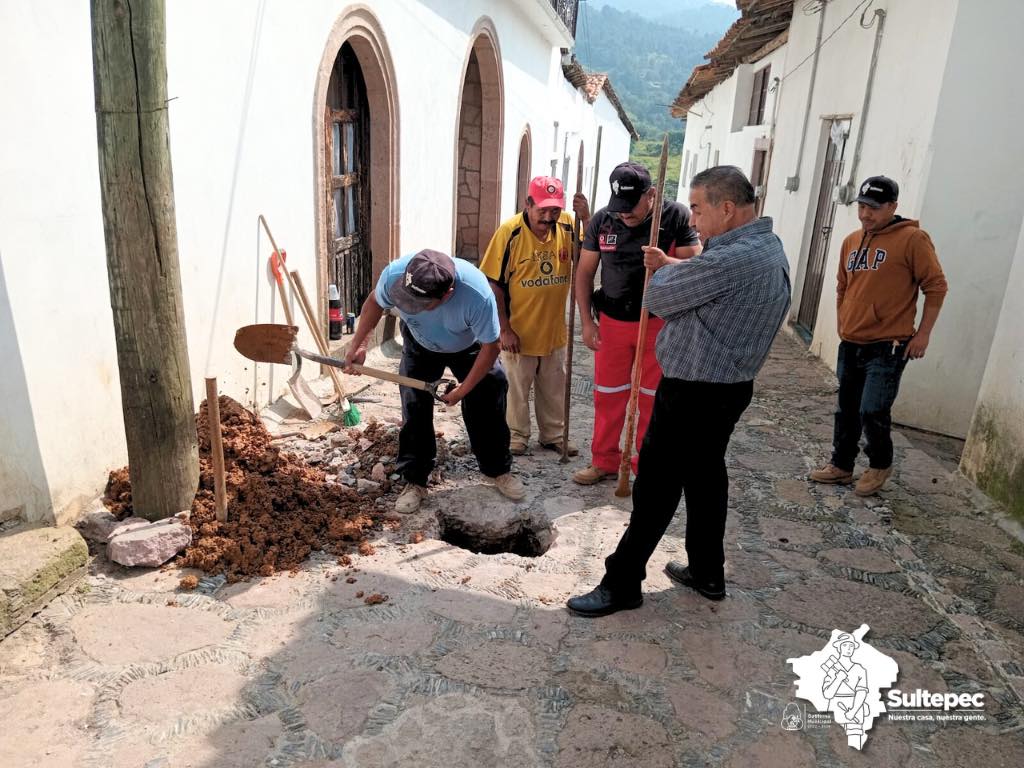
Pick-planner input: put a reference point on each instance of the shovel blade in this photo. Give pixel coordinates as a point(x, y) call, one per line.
point(300, 390)
point(267, 342)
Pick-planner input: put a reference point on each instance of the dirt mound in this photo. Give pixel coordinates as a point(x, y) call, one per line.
point(280, 509)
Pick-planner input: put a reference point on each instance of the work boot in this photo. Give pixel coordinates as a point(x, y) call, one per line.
point(831, 475)
point(591, 475)
point(517, 447)
point(510, 486)
point(556, 446)
point(871, 481)
point(410, 499)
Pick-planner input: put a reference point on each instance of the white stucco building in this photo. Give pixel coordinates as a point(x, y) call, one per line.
point(919, 90)
point(361, 131)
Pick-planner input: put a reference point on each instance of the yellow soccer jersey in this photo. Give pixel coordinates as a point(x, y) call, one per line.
point(535, 276)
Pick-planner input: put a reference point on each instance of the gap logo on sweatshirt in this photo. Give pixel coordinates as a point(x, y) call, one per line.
point(858, 261)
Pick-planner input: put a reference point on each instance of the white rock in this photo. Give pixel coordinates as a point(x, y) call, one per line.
point(366, 486)
point(377, 474)
point(150, 545)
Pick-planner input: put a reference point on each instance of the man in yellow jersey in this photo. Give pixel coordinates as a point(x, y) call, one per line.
point(528, 263)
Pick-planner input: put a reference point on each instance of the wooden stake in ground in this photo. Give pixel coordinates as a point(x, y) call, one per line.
point(216, 451)
point(627, 449)
point(577, 242)
point(130, 76)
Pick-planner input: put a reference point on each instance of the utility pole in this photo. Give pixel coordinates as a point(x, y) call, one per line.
point(130, 73)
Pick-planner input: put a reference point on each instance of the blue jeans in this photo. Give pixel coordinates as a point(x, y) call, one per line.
point(869, 380)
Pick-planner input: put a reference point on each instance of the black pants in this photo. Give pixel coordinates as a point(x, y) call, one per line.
point(869, 380)
point(483, 410)
point(683, 453)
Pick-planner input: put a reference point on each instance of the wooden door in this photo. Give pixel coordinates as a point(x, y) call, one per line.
point(346, 122)
point(817, 256)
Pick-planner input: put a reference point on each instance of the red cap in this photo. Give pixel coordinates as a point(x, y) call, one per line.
point(547, 192)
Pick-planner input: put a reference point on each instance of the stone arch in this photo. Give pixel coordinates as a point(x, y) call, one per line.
point(360, 29)
point(523, 168)
point(477, 203)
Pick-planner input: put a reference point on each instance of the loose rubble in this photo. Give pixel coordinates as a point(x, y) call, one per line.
point(285, 499)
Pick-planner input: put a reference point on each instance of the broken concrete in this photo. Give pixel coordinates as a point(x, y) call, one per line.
point(151, 544)
point(37, 563)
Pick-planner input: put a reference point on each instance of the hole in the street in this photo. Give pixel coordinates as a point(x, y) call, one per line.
point(529, 537)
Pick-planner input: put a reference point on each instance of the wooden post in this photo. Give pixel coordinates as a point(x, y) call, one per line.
point(130, 77)
point(216, 451)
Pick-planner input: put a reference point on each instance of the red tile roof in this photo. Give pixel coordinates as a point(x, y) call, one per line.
point(755, 33)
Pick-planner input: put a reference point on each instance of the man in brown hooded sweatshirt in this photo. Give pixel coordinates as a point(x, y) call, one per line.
point(881, 270)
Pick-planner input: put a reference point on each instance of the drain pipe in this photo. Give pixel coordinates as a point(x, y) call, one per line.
point(848, 193)
point(793, 182)
point(777, 92)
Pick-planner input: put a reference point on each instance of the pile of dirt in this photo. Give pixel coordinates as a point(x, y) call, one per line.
point(280, 509)
point(117, 496)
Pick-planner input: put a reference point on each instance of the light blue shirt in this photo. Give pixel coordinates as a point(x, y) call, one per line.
point(470, 315)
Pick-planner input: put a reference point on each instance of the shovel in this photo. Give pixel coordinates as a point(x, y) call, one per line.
point(300, 390)
point(271, 343)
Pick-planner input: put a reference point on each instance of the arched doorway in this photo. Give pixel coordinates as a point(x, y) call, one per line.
point(349, 193)
point(355, 122)
point(523, 170)
point(480, 128)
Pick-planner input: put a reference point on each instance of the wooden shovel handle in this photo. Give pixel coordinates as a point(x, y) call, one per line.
point(622, 489)
point(318, 336)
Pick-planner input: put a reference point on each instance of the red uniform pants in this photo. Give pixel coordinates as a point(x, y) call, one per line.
point(613, 376)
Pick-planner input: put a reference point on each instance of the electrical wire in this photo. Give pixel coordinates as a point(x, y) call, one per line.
point(818, 5)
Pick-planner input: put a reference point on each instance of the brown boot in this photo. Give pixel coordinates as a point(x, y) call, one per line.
point(832, 475)
point(871, 481)
point(591, 475)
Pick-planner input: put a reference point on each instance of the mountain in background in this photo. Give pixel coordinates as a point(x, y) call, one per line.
point(649, 49)
point(705, 16)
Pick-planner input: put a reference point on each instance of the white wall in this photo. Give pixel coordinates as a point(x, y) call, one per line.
point(726, 110)
point(994, 454)
point(56, 328)
point(973, 207)
point(897, 142)
point(241, 76)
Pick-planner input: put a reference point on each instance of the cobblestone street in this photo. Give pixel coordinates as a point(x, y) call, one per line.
point(473, 661)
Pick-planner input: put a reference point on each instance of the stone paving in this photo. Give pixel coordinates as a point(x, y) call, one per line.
point(472, 661)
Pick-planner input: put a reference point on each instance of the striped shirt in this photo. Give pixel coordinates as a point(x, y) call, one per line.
point(722, 308)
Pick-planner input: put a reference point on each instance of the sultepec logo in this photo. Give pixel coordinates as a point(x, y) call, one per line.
point(845, 678)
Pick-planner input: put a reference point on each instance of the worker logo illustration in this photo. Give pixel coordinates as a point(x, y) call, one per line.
point(845, 678)
point(792, 717)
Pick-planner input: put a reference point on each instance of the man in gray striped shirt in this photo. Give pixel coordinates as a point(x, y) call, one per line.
point(722, 310)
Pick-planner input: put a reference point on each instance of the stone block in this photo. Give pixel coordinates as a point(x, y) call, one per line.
point(126, 525)
point(97, 524)
point(150, 545)
point(37, 563)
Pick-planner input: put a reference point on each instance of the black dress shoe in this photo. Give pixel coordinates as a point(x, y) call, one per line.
point(601, 602)
point(712, 590)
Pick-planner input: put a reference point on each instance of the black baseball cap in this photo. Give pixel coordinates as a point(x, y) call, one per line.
point(629, 181)
point(427, 277)
point(876, 191)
